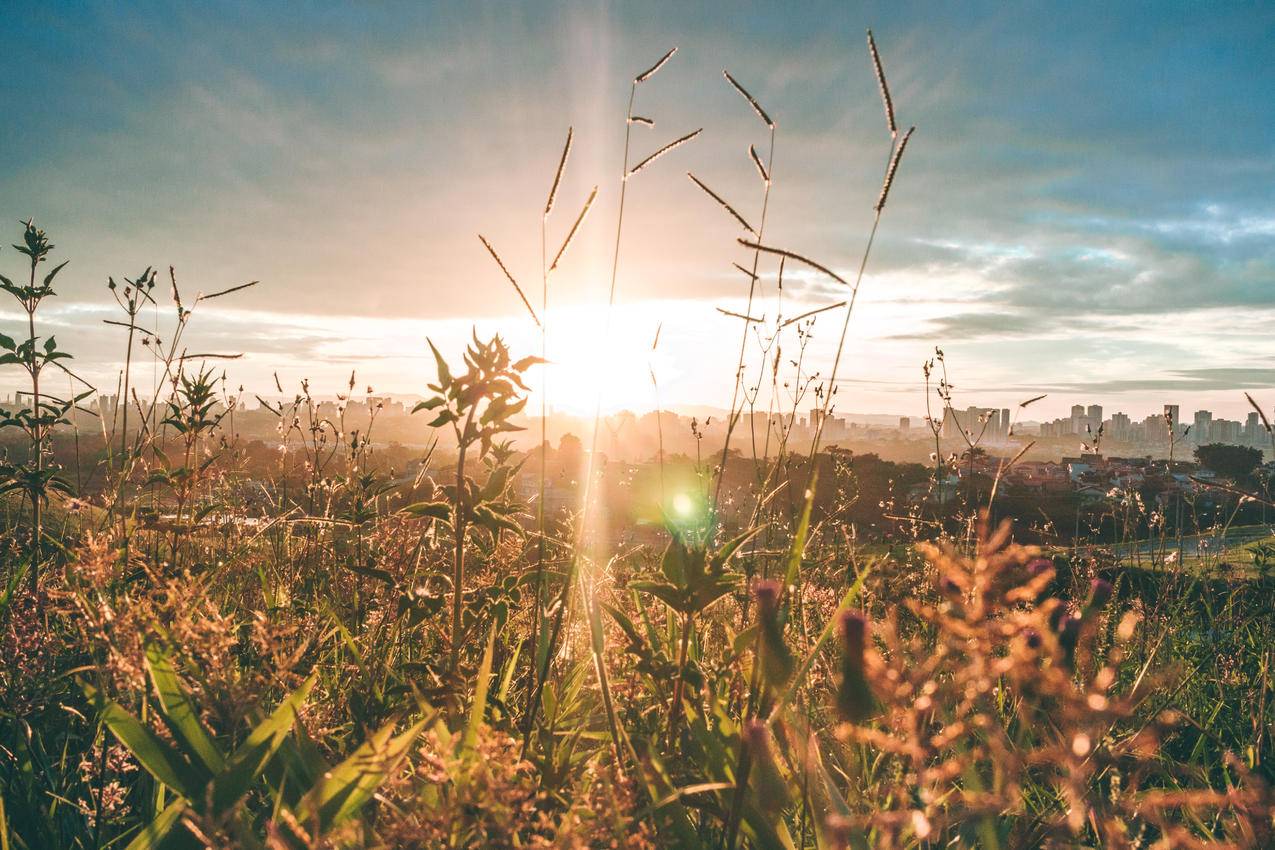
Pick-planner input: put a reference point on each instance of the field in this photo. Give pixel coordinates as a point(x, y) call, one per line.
point(320, 643)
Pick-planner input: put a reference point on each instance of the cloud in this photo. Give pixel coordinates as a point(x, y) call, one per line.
point(1075, 201)
point(1183, 380)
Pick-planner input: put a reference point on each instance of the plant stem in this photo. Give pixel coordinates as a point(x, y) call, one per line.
point(37, 445)
point(732, 416)
point(458, 564)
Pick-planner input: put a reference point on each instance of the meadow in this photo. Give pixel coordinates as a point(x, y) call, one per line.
point(328, 644)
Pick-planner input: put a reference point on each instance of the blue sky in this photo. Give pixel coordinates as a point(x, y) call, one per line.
point(1086, 208)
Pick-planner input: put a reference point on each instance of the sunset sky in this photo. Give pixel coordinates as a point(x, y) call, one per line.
point(1087, 208)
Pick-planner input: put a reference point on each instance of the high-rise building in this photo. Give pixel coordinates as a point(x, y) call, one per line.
point(1171, 416)
point(1224, 431)
point(1121, 427)
point(1201, 427)
point(1005, 422)
point(1253, 430)
point(1095, 415)
point(1077, 419)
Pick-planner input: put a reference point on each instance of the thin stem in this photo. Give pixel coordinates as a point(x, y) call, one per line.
point(565, 599)
point(733, 417)
point(458, 564)
point(532, 690)
point(37, 443)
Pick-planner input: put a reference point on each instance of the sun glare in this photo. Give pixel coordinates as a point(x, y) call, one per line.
point(683, 505)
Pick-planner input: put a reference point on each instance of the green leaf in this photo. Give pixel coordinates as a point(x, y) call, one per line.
point(526, 363)
point(435, 510)
point(162, 761)
point(342, 791)
point(442, 419)
point(625, 624)
point(429, 404)
point(675, 562)
point(730, 547)
point(166, 832)
point(493, 521)
point(799, 539)
point(249, 761)
point(479, 706)
point(179, 713)
point(444, 374)
point(669, 594)
point(48, 278)
point(372, 572)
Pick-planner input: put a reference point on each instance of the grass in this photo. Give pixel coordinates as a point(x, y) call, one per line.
point(388, 661)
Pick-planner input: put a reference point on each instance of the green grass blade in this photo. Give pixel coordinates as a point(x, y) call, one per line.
point(179, 713)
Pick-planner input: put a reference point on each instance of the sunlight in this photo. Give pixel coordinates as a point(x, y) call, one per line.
point(683, 505)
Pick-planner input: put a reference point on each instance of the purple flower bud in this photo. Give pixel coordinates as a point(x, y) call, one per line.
point(1099, 594)
point(854, 636)
point(854, 696)
point(1040, 566)
point(767, 595)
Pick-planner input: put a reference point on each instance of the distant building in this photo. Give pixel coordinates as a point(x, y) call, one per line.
point(1201, 428)
point(1253, 430)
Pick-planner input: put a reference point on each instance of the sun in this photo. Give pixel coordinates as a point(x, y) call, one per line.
point(594, 361)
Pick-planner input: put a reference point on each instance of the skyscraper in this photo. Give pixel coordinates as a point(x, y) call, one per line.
point(1202, 425)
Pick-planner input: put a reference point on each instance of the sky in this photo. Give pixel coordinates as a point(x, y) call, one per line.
point(1086, 209)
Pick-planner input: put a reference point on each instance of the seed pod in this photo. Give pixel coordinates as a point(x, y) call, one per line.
point(854, 695)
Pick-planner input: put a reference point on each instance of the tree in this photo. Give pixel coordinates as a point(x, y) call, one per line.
point(1233, 462)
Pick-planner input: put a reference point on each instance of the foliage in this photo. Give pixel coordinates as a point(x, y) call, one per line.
point(1234, 462)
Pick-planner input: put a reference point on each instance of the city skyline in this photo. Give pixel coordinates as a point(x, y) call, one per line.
point(1078, 412)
